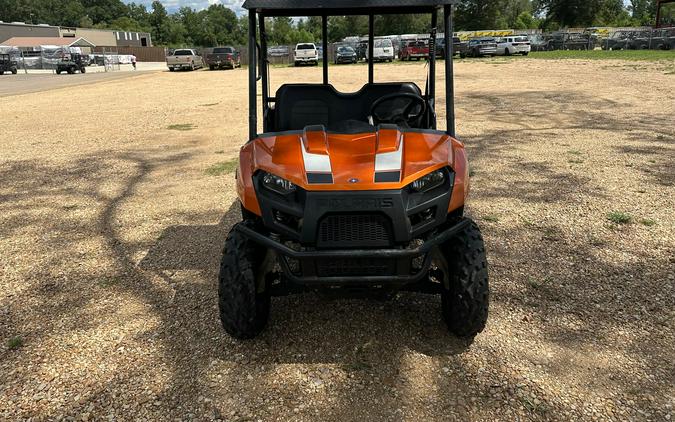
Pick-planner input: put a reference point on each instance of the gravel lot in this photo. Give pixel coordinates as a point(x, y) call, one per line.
point(114, 210)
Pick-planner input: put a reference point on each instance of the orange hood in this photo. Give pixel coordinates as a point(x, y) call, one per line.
point(318, 160)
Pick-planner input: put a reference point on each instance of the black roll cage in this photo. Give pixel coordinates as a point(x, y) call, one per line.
point(260, 63)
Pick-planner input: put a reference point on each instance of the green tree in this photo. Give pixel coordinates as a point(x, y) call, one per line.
point(582, 13)
point(126, 23)
point(85, 22)
point(643, 12)
point(159, 23)
point(280, 32)
point(103, 10)
point(220, 26)
point(479, 14)
point(139, 13)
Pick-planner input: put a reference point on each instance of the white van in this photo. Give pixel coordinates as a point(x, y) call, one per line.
point(383, 50)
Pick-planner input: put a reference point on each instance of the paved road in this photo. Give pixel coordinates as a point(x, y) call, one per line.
point(23, 84)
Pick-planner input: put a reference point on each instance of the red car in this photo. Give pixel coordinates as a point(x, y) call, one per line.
point(414, 50)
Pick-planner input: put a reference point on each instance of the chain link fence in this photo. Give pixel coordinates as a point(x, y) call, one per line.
point(47, 57)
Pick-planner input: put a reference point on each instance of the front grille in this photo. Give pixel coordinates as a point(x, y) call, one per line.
point(354, 267)
point(355, 230)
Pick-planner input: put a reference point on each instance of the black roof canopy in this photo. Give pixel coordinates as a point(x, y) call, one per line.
point(342, 7)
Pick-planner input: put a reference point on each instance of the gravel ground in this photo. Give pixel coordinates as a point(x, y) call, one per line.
point(114, 210)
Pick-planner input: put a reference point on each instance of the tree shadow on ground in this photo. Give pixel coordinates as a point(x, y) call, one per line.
point(349, 359)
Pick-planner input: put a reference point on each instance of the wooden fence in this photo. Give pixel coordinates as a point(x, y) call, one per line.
point(143, 54)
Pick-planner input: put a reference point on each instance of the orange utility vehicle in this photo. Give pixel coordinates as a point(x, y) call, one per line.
point(351, 193)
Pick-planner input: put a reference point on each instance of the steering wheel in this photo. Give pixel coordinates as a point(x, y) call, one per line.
point(401, 108)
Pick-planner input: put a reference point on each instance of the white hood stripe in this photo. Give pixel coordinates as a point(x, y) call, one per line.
point(315, 163)
point(390, 163)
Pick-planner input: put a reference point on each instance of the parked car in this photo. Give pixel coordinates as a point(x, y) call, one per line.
point(538, 42)
point(617, 41)
point(279, 51)
point(641, 40)
point(319, 52)
point(306, 53)
point(570, 41)
point(345, 54)
point(383, 50)
point(440, 47)
point(517, 44)
point(71, 63)
point(7, 64)
point(414, 50)
point(184, 59)
point(479, 47)
point(664, 39)
point(223, 57)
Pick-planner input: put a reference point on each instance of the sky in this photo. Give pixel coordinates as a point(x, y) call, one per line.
point(174, 5)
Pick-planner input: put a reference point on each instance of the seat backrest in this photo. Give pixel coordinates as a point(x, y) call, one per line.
point(301, 105)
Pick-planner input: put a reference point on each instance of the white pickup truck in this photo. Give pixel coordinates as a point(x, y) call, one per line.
point(306, 53)
point(184, 59)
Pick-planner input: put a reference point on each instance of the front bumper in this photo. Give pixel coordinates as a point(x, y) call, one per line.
point(354, 237)
point(402, 257)
point(307, 59)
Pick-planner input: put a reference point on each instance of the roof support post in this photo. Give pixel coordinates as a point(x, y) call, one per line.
point(252, 94)
point(432, 64)
point(264, 67)
point(371, 43)
point(324, 33)
point(449, 72)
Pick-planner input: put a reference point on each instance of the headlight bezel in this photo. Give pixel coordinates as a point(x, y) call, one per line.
point(430, 181)
point(277, 184)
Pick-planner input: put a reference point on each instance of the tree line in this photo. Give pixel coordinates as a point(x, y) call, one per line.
point(219, 25)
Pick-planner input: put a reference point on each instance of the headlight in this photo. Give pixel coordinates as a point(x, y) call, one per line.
point(429, 182)
point(277, 184)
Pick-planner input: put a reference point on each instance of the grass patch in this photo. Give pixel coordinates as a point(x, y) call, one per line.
point(223, 167)
point(634, 55)
point(648, 222)
point(14, 343)
point(181, 126)
point(527, 222)
point(575, 161)
point(574, 152)
point(491, 218)
point(219, 152)
point(619, 217)
point(208, 105)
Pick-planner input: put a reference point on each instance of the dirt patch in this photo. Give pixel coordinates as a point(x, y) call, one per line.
point(111, 228)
